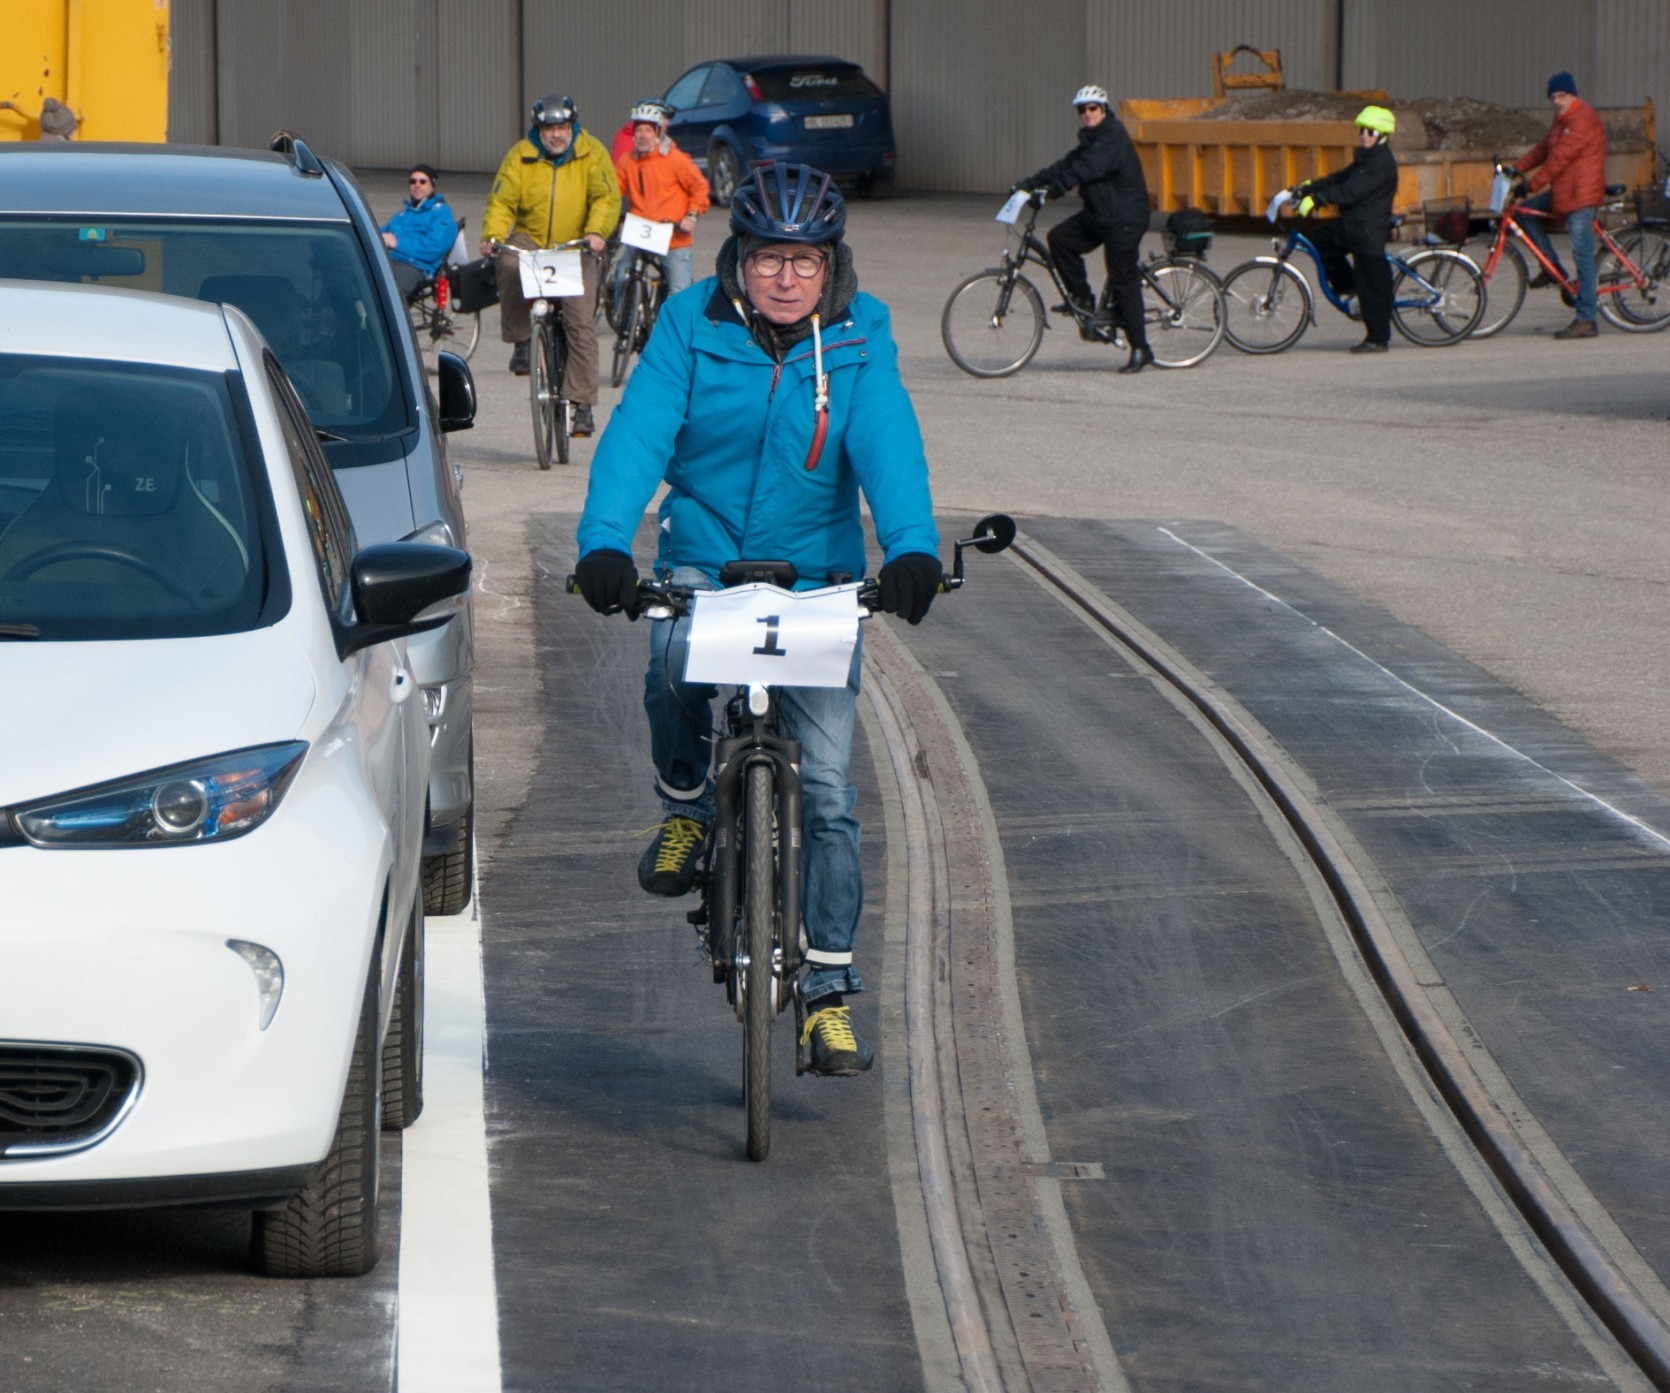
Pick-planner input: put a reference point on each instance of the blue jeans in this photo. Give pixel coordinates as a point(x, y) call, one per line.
point(675, 266)
point(1581, 226)
point(821, 719)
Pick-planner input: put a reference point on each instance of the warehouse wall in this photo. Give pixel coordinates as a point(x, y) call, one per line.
point(980, 88)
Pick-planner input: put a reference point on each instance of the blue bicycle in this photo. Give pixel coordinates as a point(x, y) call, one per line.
point(1438, 297)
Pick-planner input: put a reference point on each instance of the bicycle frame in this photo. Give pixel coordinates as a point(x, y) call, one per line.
point(1297, 241)
point(1033, 249)
point(1508, 223)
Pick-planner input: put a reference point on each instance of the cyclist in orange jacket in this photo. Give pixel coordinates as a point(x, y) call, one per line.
point(660, 182)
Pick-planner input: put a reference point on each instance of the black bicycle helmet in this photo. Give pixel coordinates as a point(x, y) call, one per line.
point(554, 109)
point(789, 203)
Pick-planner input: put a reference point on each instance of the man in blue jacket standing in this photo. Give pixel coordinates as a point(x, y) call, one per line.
point(764, 460)
point(421, 233)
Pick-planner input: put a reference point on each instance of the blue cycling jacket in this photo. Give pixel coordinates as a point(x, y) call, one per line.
point(728, 428)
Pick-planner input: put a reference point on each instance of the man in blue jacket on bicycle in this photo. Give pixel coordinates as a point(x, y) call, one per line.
point(764, 458)
point(420, 235)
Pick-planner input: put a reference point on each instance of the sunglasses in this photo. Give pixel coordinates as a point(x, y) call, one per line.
point(417, 179)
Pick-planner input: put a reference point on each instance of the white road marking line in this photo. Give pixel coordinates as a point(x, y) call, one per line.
point(448, 1339)
point(1640, 824)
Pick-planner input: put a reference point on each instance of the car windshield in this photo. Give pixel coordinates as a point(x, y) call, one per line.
point(305, 285)
point(799, 84)
point(128, 507)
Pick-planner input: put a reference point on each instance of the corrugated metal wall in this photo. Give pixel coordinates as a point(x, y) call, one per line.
point(191, 73)
point(1166, 50)
point(1437, 48)
point(979, 87)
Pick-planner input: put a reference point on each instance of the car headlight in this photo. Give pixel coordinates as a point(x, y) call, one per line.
point(212, 799)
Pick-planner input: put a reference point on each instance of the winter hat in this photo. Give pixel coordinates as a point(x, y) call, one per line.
point(1562, 82)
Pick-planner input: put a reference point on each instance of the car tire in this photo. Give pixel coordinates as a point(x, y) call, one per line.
point(330, 1228)
point(448, 878)
point(724, 172)
point(403, 1043)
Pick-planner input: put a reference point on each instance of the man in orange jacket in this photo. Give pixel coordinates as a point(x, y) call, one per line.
point(1567, 170)
point(660, 182)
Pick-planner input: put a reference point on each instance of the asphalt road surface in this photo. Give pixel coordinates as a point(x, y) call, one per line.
point(1432, 577)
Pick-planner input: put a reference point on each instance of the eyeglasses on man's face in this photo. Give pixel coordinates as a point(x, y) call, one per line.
point(768, 264)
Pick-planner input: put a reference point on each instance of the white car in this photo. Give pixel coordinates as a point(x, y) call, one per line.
point(212, 777)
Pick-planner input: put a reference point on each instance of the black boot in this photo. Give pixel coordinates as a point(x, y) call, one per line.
point(1140, 358)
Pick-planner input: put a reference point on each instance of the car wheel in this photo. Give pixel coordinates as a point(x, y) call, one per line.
point(724, 172)
point(403, 1044)
point(447, 878)
point(330, 1228)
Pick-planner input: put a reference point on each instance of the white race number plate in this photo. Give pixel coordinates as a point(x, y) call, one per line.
point(779, 638)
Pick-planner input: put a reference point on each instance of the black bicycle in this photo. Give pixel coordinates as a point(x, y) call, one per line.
point(995, 320)
point(642, 292)
point(749, 878)
point(547, 358)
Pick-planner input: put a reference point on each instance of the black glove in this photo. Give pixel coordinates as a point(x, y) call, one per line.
point(909, 583)
point(1054, 189)
point(607, 580)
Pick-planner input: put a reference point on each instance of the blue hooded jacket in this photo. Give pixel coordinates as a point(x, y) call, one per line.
point(729, 429)
point(423, 233)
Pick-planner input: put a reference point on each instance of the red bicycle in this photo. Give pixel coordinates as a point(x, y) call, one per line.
point(1632, 269)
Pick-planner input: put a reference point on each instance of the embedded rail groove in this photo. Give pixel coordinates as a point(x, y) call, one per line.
point(1001, 1247)
point(1569, 1241)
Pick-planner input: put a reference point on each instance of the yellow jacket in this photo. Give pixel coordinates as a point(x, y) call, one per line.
point(553, 202)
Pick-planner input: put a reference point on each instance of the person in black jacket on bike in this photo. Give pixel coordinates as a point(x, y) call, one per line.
point(1105, 170)
point(1363, 192)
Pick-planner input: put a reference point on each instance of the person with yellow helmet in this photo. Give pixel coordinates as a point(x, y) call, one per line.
point(1353, 245)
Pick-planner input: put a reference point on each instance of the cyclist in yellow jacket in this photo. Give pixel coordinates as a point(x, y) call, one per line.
point(554, 185)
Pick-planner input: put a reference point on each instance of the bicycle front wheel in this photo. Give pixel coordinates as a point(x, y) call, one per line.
point(992, 324)
point(1183, 311)
point(759, 916)
point(1267, 306)
point(1639, 307)
point(626, 341)
point(1504, 292)
point(1438, 297)
point(542, 394)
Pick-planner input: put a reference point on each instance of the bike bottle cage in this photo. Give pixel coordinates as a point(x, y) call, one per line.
point(782, 574)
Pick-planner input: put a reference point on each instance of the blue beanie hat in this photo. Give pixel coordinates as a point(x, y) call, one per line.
point(1562, 82)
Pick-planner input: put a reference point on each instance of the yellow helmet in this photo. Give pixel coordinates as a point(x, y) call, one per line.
point(1377, 119)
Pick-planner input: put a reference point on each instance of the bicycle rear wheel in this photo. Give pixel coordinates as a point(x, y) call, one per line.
point(1267, 306)
point(1183, 312)
point(1637, 308)
point(1438, 298)
point(759, 915)
point(992, 324)
point(1504, 292)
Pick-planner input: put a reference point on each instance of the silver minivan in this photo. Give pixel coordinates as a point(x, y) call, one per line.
point(288, 238)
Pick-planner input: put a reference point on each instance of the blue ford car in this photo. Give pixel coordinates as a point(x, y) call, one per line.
point(799, 108)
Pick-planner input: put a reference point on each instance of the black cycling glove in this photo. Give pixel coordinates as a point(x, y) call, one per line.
point(607, 580)
point(908, 584)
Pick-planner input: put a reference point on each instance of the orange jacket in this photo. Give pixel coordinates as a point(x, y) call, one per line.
point(663, 186)
point(1570, 159)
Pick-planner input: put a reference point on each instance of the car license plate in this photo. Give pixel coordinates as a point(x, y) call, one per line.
point(828, 123)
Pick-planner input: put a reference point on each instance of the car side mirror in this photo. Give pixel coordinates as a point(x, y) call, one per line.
point(393, 584)
point(457, 392)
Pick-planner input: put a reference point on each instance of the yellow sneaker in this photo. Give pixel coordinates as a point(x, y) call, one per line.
point(836, 1051)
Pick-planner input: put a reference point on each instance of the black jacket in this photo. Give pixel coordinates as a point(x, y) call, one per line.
point(1363, 192)
point(1105, 170)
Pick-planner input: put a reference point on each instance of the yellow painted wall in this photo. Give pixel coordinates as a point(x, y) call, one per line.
point(107, 60)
